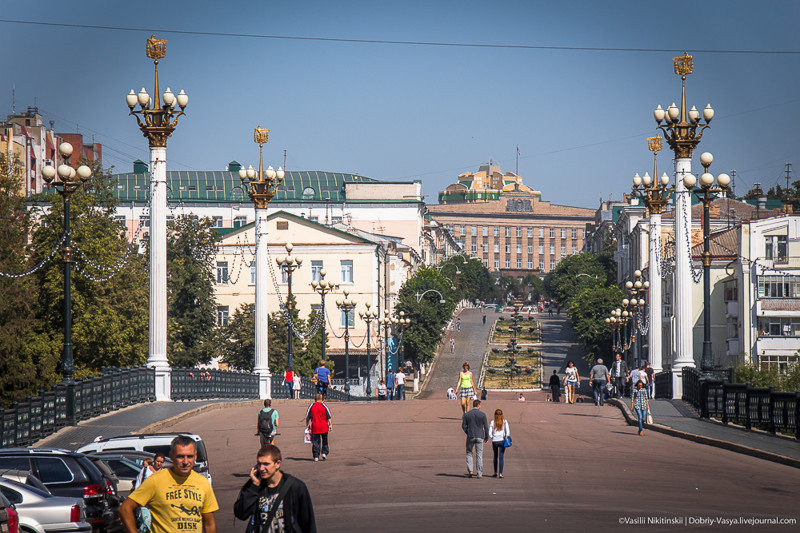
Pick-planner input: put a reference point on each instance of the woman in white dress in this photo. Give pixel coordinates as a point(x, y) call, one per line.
point(571, 381)
point(296, 385)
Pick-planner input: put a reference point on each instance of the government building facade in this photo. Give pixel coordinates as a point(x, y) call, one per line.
point(496, 218)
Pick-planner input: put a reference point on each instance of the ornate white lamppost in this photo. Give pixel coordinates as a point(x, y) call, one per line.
point(157, 123)
point(261, 190)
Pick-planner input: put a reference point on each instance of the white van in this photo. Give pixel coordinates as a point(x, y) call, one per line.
point(153, 443)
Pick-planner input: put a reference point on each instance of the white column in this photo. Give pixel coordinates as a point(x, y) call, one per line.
point(261, 366)
point(654, 298)
point(683, 356)
point(157, 357)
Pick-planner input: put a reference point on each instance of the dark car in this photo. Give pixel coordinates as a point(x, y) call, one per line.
point(71, 474)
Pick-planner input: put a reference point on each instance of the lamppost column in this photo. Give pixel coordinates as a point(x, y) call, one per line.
point(157, 358)
point(684, 356)
point(706, 362)
point(655, 293)
point(261, 366)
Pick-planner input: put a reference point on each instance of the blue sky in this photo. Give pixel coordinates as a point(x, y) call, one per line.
point(400, 111)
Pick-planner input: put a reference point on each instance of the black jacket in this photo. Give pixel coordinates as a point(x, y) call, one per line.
point(298, 513)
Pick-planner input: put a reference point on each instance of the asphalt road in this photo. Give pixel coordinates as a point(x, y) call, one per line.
point(399, 466)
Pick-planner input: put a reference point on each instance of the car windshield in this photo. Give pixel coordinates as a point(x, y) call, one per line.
point(23, 487)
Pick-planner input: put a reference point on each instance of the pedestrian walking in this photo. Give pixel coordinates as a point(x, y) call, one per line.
point(319, 421)
point(484, 319)
point(382, 390)
point(571, 381)
point(390, 381)
point(498, 431)
point(598, 377)
point(619, 375)
point(640, 403)
point(296, 385)
point(651, 376)
point(179, 498)
point(452, 346)
point(400, 384)
point(323, 377)
point(458, 324)
point(268, 422)
point(555, 387)
point(272, 500)
point(288, 382)
point(465, 387)
point(476, 426)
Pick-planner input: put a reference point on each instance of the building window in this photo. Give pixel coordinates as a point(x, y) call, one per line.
point(144, 221)
point(120, 219)
point(519, 232)
point(508, 248)
point(474, 247)
point(778, 326)
point(552, 233)
point(775, 247)
point(462, 230)
point(496, 231)
point(530, 233)
point(519, 248)
point(496, 247)
point(473, 230)
point(541, 249)
point(316, 268)
point(782, 363)
point(508, 231)
point(347, 270)
point(508, 262)
point(485, 231)
point(519, 263)
point(552, 249)
point(238, 222)
point(574, 249)
point(530, 249)
point(223, 315)
point(541, 233)
point(222, 272)
point(552, 264)
point(574, 233)
point(216, 222)
point(253, 274)
point(485, 247)
point(779, 286)
point(497, 264)
point(530, 263)
point(563, 233)
point(541, 264)
point(563, 250)
point(350, 319)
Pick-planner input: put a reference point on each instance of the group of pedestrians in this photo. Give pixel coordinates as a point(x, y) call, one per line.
point(180, 499)
point(479, 431)
point(394, 388)
point(292, 383)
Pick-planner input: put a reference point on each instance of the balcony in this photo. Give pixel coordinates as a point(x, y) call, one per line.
point(772, 345)
point(778, 307)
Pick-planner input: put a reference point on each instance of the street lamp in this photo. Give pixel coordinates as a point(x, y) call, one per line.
point(654, 193)
point(323, 287)
point(386, 324)
point(635, 306)
point(66, 181)
point(346, 305)
point(368, 316)
point(261, 190)
point(419, 297)
point(157, 123)
point(289, 263)
point(682, 130)
point(706, 194)
point(402, 323)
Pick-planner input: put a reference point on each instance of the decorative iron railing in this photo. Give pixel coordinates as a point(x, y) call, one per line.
point(206, 384)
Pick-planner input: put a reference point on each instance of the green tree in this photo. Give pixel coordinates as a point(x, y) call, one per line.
point(191, 305)
point(428, 315)
point(235, 343)
point(279, 339)
point(109, 281)
point(573, 274)
point(588, 310)
point(313, 353)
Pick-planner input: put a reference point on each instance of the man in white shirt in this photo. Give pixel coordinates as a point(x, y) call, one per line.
point(400, 384)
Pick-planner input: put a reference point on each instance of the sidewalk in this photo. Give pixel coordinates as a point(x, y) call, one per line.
point(676, 418)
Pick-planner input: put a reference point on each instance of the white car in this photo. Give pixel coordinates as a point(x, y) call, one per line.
point(153, 443)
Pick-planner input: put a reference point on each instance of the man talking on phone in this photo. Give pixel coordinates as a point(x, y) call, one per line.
point(273, 501)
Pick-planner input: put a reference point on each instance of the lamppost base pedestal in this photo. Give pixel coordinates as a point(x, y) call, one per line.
point(163, 384)
point(264, 384)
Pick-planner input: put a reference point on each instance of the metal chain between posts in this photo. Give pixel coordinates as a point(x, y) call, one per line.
point(40, 265)
point(696, 275)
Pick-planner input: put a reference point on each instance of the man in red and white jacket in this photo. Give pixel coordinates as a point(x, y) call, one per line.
point(318, 420)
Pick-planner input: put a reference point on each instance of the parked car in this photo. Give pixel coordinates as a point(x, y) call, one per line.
point(153, 443)
point(9, 520)
point(24, 477)
point(41, 512)
point(73, 475)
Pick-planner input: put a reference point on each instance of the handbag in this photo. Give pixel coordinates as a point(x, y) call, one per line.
point(307, 436)
point(507, 441)
point(649, 417)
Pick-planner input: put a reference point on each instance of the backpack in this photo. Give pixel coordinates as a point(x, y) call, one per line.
point(265, 421)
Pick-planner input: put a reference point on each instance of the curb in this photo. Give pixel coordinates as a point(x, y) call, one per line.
point(157, 426)
point(709, 441)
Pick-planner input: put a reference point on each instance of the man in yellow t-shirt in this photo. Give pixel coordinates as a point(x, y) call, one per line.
point(179, 499)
